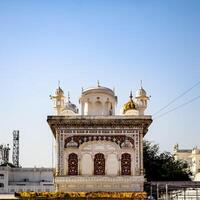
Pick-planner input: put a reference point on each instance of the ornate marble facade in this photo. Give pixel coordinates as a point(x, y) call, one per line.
point(96, 149)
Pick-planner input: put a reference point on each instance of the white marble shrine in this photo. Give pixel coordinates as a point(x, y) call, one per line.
point(96, 149)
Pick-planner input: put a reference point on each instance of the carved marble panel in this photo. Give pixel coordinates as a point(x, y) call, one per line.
point(80, 139)
point(126, 164)
point(73, 164)
point(99, 164)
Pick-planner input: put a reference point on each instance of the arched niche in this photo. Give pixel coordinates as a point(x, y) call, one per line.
point(90, 108)
point(112, 165)
point(87, 164)
point(108, 109)
point(1, 176)
point(98, 108)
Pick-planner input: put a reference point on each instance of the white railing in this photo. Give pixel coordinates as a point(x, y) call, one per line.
point(37, 188)
point(28, 188)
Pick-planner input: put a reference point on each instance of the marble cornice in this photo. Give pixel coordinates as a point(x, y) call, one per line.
point(57, 122)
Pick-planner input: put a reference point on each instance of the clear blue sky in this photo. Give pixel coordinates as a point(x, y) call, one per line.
point(118, 42)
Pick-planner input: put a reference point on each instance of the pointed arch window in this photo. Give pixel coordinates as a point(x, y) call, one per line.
point(126, 164)
point(1, 176)
point(99, 164)
point(73, 164)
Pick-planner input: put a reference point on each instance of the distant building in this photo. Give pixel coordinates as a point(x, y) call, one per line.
point(96, 149)
point(191, 156)
point(4, 153)
point(25, 179)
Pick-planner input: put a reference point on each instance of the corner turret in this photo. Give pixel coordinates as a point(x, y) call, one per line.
point(141, 100)
point(58, 100)
point(61, 107)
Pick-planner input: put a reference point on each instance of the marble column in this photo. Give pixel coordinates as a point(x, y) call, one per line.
point(57, 153)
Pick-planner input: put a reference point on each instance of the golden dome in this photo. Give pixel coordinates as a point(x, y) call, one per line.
point(130, 105)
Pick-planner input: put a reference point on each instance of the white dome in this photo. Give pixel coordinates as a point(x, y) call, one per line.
point(98, 89)
point(141, 93)
point(98, 101)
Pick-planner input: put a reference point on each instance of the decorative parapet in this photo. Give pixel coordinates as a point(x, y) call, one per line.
point(99, 183)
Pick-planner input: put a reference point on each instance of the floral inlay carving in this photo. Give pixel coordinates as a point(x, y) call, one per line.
point(126, 164)
point(73, 164)
point(99, 164)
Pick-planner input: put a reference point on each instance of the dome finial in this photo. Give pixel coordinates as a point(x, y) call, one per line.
point(98, 83)
point(141, 83)
point(68, 97)
point(131, 95)
point(58, 83)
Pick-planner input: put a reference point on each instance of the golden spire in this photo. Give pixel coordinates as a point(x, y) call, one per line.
point(130, 105)
point(58, 83)
point(131, 95)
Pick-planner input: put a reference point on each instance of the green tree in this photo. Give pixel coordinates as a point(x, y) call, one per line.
point(163, 166)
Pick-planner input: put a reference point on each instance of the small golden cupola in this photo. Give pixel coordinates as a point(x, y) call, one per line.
point(130, 105)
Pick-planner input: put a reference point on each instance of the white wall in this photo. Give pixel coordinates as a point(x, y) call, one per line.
point(111, 151)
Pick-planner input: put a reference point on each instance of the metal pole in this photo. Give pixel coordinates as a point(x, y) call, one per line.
point(184, 194)
point(150, 191)
point(197, 196)
point(166, 188)
point(157, 191)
